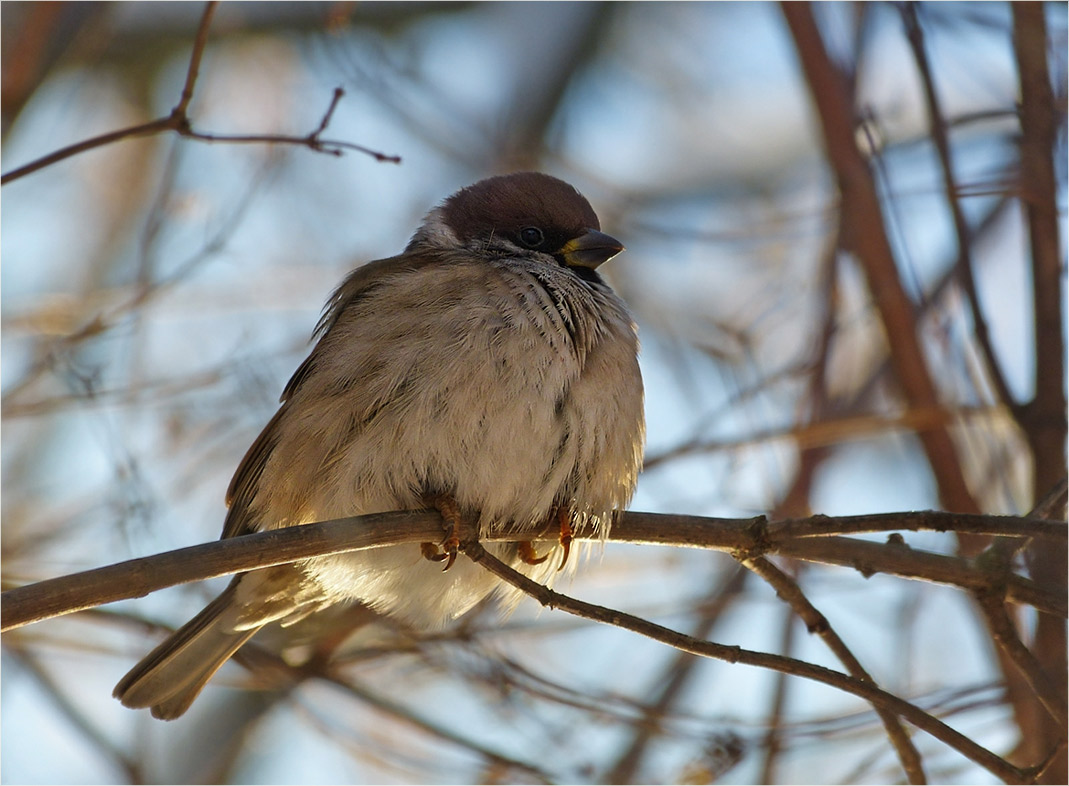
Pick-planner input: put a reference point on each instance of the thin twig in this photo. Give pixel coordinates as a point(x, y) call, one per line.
point(312, 141)
point(775, 733)
point(899, 559)
point(200, 41)
point(178, 121)
point(1005, 635)
point(732, 654)
point(1052, 506)
point(675, 677)
point(788, 590)
point(144, 129)
point(339, 94)
point(964, 266)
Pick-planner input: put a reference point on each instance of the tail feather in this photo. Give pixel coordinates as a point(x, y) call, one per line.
point(169, 678)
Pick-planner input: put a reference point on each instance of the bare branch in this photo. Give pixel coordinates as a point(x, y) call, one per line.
point(199, 42)
point(788, 590)
point(138, 577)
point(964, 266)
point(1044, 417)
point(312, 141)
point(178, 121)
point(864, 234)
point(865, 690)
point(899, 559)
point(677, 676)
point(1005, 634)
point(145, 129)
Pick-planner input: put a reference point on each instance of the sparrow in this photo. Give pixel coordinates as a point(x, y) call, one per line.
point(487, 371)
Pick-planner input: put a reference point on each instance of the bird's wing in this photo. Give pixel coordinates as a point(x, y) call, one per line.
point(243, 486)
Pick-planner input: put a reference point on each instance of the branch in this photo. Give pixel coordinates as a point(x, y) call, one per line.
point(788, 590)
point(1044, 416)
point(673, 683)
point(1039, 139)
point(178, 121)
point(1005, 635)
point(312, 141)
point(952, 192)
point(865, 690)
point(865, 235)
point(139, 577)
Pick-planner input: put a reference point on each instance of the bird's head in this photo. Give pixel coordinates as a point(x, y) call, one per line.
point(526, 214)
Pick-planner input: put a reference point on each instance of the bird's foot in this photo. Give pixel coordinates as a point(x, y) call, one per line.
point(563, 515)
point(446, 551)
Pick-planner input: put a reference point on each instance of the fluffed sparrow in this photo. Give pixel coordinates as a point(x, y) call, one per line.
point(488, 370)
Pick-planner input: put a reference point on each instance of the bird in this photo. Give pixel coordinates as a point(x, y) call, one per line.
point(487, 371)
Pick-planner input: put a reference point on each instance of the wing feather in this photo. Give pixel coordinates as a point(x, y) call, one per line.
point(240, 519)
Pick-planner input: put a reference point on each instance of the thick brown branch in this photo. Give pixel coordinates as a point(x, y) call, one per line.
point(865, 236)
point(137, 578)
point(1044, 417)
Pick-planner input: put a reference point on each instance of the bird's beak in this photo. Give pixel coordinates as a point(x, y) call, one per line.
point(590, 249)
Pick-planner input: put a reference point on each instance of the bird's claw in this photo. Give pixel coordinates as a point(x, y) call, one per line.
point(528, 555)
point(447, 550)
point(436, 553)
point(564, 518)
point(450, 546)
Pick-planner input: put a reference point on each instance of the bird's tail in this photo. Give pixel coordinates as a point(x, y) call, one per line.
point(169, 678)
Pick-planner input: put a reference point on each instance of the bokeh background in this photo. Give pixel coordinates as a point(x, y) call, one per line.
point(157, 293)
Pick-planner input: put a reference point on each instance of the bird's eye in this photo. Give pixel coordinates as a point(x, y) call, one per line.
point(531, 237)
